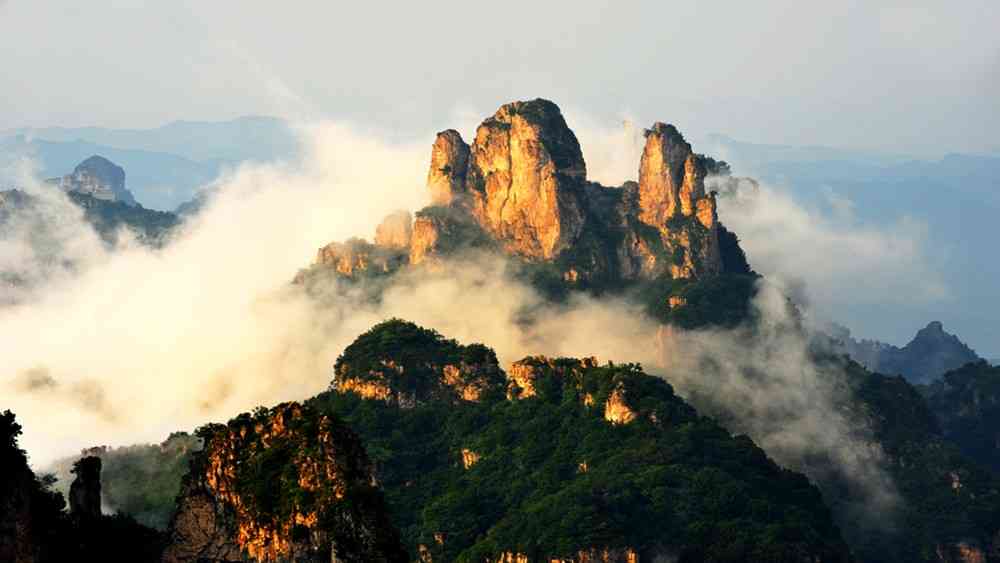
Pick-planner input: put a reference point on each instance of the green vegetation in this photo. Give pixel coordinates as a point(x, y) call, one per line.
point(554, 476)
point(946, 498)
point(35, 527)
point(107, 217)
point(288, 460)
point(966, 402)
point(722, 301)
point(409, 358)
point(142, 480)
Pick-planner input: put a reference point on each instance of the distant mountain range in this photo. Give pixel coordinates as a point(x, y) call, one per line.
point(957, 197)
point(927, 357)
point(166, 165)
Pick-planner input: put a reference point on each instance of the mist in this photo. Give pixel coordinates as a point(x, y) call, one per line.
point(137, 343)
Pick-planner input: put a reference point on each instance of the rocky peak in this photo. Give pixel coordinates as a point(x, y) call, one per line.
point(97, 177)
point(662, 171)
point(85, 491)
point(449, 159)
point(523, 172)
point(521, 188)
point(672, 179)
point(282, 484)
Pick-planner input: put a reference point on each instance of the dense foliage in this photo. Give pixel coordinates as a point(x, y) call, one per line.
point(966, 402)
point(418, 356)
point(945, 497)
point(142, 480)
point(28, 503)
point(553, 476)
point(108, 217)
point(295, 477)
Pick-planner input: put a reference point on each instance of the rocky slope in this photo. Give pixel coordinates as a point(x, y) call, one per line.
point(930, 354)
point(561, 460)
point(521, 187)
point(285, 484)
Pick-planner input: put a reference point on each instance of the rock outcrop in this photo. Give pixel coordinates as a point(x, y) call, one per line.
point(395, 231)
point(97, 177)
point(85, 490)
point(521, 187)
point(446, 177)
point(524, 176)
point(284, 484)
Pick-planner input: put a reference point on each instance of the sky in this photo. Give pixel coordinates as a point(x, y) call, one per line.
point(918, 77)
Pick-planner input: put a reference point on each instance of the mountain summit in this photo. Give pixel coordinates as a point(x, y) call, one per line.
point(97, 177)
point(930, 354)
point(521, 187)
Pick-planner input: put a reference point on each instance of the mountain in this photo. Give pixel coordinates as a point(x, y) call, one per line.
point(949, 505)
point(258, 138)
point(966, 402)
point(561, 459)
point(930, 354)
point(99, 178)
point(167, 165)
point(158, 180)
point(281, 484)
point(520, 190)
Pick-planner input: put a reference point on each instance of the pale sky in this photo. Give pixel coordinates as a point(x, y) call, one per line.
point(900, 76)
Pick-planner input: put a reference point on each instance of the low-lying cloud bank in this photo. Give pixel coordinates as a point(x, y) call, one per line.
point(137, 343)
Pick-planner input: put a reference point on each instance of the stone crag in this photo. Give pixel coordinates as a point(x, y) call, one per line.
point(85, 490)
point(521, 188)
point(99, 178)
point(282, 484)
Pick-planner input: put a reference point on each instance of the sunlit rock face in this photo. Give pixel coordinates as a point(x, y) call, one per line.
point(395, 231)
point(99, 178)
point(524, 177)
point(449, 160)
point(520, 188)
point(281, 485)
point(357, 257)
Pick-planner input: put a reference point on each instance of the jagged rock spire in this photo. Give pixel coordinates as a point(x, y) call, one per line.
point(671, 176)
point(85, 491)
point(524, 162)
point(449, 159)
point(521, 187)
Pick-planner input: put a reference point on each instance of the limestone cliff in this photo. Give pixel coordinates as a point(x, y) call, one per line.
point(283, 484)
point(521, 187)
